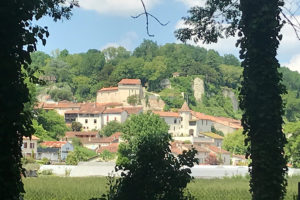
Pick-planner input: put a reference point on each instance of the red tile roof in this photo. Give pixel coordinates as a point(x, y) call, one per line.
point(110, 104)
point(217, 150)
point(111, 139)
point(130, 82)
point(60, 104)
point(199, 115)
point(133, 110)
point(88, 108)
point(233, 123)
point(166, 114)
point(80, 133)
point(32, 138)
point(108, 89)
point(53, 144)
point(113, 148)
point(185, 107)
point(113, 110)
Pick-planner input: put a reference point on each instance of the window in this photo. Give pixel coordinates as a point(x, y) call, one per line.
point(31, 145)
point(115, 118)
point(86, 121)
point(25, 145)
point(175, 121)
point(107, 118)
point(95, 121)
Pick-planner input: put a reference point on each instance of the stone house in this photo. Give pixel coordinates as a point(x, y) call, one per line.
point(96, 143)
point(94, 116)
point(215, 138)
point(185, 123)
point(29, 146)
point(126, 88)
point(54, 150)
point(220, 153)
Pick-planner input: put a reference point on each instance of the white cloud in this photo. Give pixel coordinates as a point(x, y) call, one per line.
point(294, 63)
point(223, 46)
point(127, 41)
point(117, 7)
point(191, 3)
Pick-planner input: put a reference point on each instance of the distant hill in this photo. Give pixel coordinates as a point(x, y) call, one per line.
point(216, 79)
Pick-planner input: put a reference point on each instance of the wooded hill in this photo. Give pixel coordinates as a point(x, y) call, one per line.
point(77, 77)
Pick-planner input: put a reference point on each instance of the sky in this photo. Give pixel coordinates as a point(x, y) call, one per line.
point(98, 24)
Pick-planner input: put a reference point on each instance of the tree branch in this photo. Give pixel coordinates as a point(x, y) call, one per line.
point(147, 19)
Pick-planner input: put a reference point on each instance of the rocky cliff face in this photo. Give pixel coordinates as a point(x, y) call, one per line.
point(230, 94)
point(198, 87)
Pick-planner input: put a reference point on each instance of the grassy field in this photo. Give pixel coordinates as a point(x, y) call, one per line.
point(66, 188)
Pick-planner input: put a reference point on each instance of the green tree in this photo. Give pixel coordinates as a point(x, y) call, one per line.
point(19, 35)
point(147, 50)
point(53, 123)
point(230, 59)
point(258, 24)
point(76, 126)
point(110, 128)
point(133, 100)
point(153, 172)
point(235, 143)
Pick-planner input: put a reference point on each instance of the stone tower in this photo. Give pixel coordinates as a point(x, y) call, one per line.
point(185, 114)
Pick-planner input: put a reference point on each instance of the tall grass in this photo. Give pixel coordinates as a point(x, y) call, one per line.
point(67, 188)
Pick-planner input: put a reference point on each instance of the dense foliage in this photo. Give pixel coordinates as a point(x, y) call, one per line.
point(152, 63)
point(235, 143)
point(19, 35)
point(111, 128)
point(152, 171)
point(258, 24)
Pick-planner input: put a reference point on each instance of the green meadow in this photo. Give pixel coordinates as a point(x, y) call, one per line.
point(68, 188)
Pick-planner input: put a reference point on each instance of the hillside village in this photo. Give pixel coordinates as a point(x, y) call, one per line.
point(188, 128)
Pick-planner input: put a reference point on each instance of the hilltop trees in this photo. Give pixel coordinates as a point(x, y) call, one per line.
point(258, 24)
point(19, 36)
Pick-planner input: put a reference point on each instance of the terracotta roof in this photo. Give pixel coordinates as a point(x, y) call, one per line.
point(80, 133)
point(221, 120)
point(133, 110)
point(217, 150)
point(110, 104)
point(166, 114)
point(111, 139)
point(199, 115)
point(88, 108)
point(108, 89)
point(32, 138)
point(53, 144)
point(113, 110)
point(113, 148)
point(130, 82)
point(213, 135)
point(233, 123)
point(185, 107)
point(60, 104)
point(200, 149)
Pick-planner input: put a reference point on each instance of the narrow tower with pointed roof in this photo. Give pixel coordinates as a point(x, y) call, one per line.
point(185, 114)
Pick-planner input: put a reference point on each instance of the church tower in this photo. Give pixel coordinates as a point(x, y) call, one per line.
point(185, 114)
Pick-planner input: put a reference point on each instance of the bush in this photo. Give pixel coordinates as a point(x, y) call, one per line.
point(46, 161)
point(47, 172)
point(107, 155)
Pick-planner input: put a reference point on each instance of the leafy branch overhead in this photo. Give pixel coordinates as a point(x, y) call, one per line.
point(147, 14)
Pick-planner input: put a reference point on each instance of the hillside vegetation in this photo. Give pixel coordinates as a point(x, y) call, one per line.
point(79, 76)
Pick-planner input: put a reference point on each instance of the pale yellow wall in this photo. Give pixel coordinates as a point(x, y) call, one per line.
point(28, 150)
point(120, 95)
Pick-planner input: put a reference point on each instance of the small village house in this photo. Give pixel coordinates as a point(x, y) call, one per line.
point(54, 150)
point(29, 146)
point(215, 138)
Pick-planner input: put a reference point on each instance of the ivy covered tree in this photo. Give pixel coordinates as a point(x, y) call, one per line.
point(19, 36)
point(258, 24)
